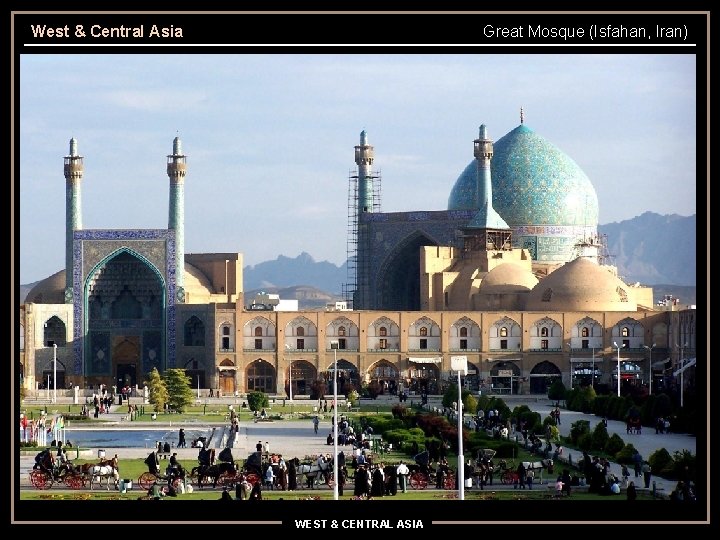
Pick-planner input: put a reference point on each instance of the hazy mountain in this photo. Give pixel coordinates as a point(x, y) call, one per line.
point(302, 270)
point(653, 249)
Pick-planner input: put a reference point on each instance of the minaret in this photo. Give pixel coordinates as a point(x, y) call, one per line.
point(486, 230)
point(176, 168)
point(73, 169)
point(364, 157)
point(483, 152)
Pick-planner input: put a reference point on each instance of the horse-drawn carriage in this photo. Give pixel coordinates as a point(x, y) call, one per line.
point(309, 471)
point(47, 471)
point(422, 473)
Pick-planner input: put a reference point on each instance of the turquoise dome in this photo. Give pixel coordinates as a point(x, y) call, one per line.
point(533, 183)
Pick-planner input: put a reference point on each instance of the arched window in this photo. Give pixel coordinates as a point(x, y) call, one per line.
point(383, 331)
point(463, 331)
point(503, 331)
point(258, 331)
point(625, 331)
point(585, 331)
point(544, 331)
point(225, 341)
point(341, 331)
point(300, 331)
point(423, 330)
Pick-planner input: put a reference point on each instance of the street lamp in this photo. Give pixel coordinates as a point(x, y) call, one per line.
point(459, 364)
point(618, 367)
point(682, 373)
point(334, 346)
point(651, 367)
point(287, 346)
point(54, 399)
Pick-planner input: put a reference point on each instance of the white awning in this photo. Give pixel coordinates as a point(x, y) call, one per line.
point(436, 360)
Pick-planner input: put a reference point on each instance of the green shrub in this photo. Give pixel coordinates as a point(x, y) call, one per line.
point(585, 442)
point(505, 449)
point(661, 460)
point(557, 390)
point(577, 429)
point(682, 459)
point(469, 403)
point(257, 401)
point(600, 437)
point(625, 455)
point(614, 444)
point(600, 406)
point(400, 411)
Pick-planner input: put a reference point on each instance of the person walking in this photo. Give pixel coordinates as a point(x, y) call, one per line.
point(402, 473)
point(181, 439)
point(647, 474)
point(316, 423)
point(529, 477)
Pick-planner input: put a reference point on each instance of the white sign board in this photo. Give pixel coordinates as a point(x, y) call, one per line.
point(505, 373)
point(459, 363)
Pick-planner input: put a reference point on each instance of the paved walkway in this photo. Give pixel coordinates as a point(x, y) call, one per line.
point(296, 438)
point(646, 443)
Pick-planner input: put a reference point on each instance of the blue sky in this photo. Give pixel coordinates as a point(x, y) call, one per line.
point(269, 138)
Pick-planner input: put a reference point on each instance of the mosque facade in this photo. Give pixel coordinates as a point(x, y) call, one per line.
point(495, 279)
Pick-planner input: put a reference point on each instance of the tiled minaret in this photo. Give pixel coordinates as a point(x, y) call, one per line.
point(73, 170)
point(176, 169)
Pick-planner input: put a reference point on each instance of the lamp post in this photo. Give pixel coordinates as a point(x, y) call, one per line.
point(54, 399)
point(651, 367)
point(459, 364)
point(334, 346)
point(290, 373)
point(618, 367)
point(682, 374)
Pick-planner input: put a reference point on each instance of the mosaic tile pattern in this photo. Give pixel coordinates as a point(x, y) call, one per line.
point(533, 183)
point(112, 239)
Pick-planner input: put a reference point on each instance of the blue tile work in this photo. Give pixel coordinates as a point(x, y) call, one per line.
point(535, 184)
point(91, 247)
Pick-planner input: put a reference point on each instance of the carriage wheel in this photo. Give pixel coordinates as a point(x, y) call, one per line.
point(227, 479)
point(418, 480)
point(74, 481)
point(252, 478)
point(449, 482)
point(508, 477)
point(146, 480)
point(41, 480)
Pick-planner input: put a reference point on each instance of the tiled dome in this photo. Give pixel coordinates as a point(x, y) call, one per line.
point(533, 183)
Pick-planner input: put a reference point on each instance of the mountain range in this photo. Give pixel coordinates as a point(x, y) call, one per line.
point(652, 249)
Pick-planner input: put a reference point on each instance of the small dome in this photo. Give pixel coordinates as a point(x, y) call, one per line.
point(581, 285)
point(50, 290)
point(507, 278)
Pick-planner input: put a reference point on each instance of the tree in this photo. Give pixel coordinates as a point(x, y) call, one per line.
point(557, 390)
point(257, 401)
point(158, 394)
point(178, 387)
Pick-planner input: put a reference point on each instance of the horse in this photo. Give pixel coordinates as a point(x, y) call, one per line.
point(311, 470)
point(98, 472)
point(540, 465)
point(210, 473)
